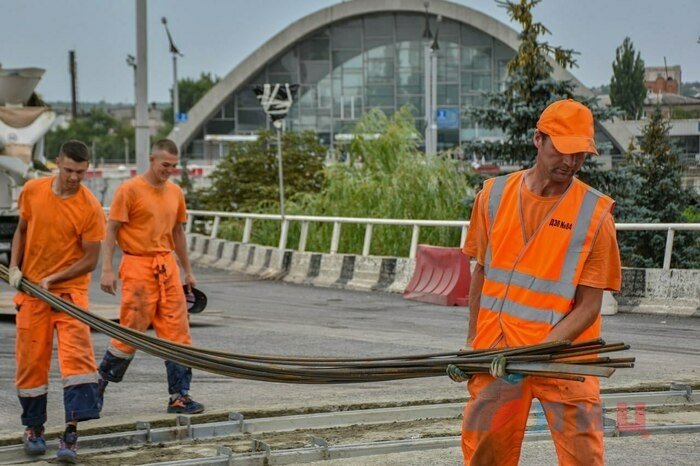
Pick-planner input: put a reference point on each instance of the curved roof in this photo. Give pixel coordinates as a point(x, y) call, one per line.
point(305, 26)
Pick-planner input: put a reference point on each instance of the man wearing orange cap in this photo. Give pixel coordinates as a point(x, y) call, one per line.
point(56, 245)
point(546, 248)
point(145, 219)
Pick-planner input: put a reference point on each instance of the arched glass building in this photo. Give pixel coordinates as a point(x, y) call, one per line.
point(359, 55)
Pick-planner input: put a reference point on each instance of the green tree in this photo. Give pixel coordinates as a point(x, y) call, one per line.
point(627, 89)
point(661, 198)
point(246, 179)
point(528, 89)
point(388, 177)
point(99, 127)
point(648, 190)
point(190, 91)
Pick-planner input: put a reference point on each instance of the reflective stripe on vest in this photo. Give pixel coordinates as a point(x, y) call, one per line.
point(540, 293)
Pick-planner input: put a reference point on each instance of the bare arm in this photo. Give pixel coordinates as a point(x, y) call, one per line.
point(181, 251)
point(86, 264)
point(108, 281)
point(587, 306)
point(18, 240)
point(474, 300)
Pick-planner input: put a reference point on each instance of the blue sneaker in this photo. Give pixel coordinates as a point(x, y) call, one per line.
point(184, 404)
point(34, 442)
point(68, 448)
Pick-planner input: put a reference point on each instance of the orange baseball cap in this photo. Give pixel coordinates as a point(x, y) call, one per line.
point(570, 126)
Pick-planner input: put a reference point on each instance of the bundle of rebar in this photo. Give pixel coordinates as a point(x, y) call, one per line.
point(561, 359)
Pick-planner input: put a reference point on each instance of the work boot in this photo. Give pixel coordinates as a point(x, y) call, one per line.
point(34, 442)
point(101, 386)
point(68, 446)
point(184, 404)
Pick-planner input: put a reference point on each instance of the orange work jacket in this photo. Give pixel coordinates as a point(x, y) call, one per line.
point(529, 286)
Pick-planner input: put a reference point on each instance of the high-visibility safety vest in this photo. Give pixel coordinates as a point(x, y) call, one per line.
point(529, 286)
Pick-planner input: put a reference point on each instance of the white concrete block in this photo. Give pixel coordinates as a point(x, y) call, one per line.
point(609, 306)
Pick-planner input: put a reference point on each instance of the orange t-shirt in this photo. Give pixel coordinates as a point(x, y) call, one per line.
point(602, 267)
point(148, 216)
point(56, 229)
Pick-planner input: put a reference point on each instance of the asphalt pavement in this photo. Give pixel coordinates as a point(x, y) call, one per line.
point(273, 317)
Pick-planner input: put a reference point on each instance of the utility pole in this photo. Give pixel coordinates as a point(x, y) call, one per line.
point(175, 53)
point(142, 128)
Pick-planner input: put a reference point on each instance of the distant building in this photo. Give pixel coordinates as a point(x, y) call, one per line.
point(360, 55)
point(672, 105)
point(663, 79)
point(126, 114)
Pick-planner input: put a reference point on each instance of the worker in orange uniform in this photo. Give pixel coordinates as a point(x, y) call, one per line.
point(57, 245)
point(546, 248)
point(145, 219)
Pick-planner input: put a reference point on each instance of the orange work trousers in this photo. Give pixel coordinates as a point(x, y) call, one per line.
point(496, 415)
point(36, 322)
point(152, 295)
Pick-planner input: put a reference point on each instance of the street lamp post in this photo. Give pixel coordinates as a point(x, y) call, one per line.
point(276, 99)
point(130, 61)
point(427, 94)
point(175, 53)
point(431, 47)
point(433, 88)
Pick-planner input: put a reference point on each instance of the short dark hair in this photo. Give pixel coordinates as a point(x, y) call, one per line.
point(167, 145)
point(75, 150)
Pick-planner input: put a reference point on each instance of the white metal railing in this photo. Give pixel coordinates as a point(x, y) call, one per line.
point(337, 222)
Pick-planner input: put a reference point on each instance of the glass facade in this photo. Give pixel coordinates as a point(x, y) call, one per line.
point(374, 61)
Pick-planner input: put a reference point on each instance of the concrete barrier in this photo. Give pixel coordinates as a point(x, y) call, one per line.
point(658, 291)
point(279, 265)
point(300, 266)
point(441, 276)
point(365, 274)
point(646, 291)
point(335, 270)
point(609, 305)
point(199, 245)
point(228, 255)
point(403, 271)
point(213, 251)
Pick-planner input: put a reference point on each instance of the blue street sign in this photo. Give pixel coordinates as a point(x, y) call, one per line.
point(181, 117)
point(447, 118)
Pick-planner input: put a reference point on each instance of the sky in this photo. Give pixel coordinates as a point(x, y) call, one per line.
point(215, 35)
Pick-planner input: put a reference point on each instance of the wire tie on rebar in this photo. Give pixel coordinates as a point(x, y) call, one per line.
point(498, 366)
